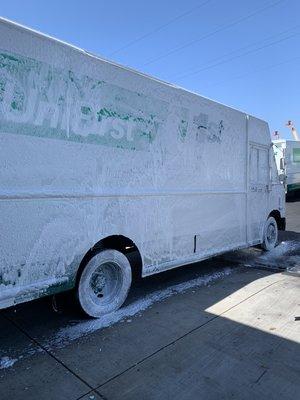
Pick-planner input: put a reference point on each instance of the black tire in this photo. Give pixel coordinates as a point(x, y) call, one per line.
point(104, 283)
point(270, 234)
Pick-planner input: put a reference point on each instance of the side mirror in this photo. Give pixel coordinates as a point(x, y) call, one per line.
point(282, 178)
point(282, 164)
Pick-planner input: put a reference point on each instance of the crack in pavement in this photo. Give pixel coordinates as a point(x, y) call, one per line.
point(260, 376)
point(32, 339)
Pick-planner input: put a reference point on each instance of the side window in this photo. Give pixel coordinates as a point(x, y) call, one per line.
point(263, 166)
point(259, 165)
point(296, 155)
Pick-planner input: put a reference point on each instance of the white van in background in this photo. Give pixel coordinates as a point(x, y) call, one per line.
point(287, 154)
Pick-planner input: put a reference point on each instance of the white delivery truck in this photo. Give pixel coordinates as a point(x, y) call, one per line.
point(287, 155)
point(106, 173)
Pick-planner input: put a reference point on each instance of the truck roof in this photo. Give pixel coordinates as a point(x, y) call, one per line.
point(115, 64)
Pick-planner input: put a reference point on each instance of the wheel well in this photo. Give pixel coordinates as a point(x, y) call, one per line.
point(280, 221)
point(122, 244)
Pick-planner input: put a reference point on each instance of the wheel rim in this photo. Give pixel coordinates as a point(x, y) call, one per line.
point(271, 233)
point(105, 283)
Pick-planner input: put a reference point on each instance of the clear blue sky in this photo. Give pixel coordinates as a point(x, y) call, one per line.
point(231, 51)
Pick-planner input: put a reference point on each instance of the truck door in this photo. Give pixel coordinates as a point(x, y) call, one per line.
point(258, 191)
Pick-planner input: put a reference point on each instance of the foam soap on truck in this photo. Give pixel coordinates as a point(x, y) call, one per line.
point(107, 174)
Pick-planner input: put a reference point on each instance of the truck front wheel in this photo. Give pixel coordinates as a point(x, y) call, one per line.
point(104, 283)
point(270, 235)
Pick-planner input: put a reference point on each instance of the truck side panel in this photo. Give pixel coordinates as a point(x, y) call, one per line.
point(89, 149)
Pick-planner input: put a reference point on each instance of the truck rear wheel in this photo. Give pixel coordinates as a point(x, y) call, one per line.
point(270, 235)
point(104, 283)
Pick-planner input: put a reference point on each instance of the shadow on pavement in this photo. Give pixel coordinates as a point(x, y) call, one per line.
point(190, 343)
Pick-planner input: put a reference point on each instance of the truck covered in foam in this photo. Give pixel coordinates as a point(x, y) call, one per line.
point(107, 174)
